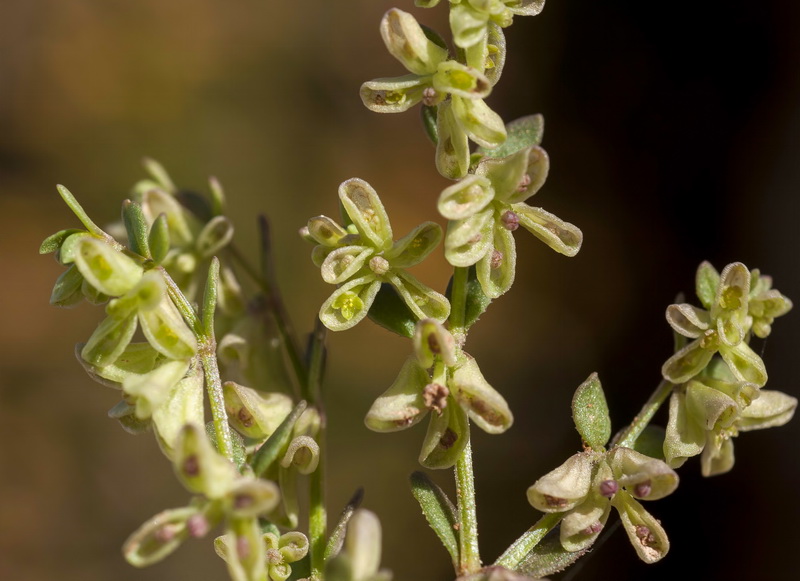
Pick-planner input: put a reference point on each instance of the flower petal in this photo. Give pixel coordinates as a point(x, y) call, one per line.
point(362, 204)
point(109, 340)
point(565, 487)
point(687, 362)
point(183, 405)
point(350, 303)
point(199, 466)
point(497, 269)
point(688, 320)
point(633, 469)
point(479, 122)
point(466, 197)
point(159, 536)
point(717, 457)
point(394, 94)
point(448, 434)
point(166, 330)
point(402, 405)
point(645, 532)
point(255, 414)
point(460, 80)
point(561, 236)
point(415, 246)
point(152, 389)
point(538, 166)
point(684, 437)
point(468, 240)
point(468, 25)
point(341, 264)
point(745, 364)
point(106, 269)
point(406, 41)
point(452, 146)
point(423, 301)
point(584, 523)
point(771, 409)
point(484, 405)
point(325, 231)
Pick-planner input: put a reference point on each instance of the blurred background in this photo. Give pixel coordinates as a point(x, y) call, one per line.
point(674, 137)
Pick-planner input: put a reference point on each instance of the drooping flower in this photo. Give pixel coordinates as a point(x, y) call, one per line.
point(363, 256)
point(446, 382)
point(484, 209)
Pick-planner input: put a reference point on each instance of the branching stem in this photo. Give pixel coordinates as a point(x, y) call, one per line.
point(629, 435)
point(514, 554)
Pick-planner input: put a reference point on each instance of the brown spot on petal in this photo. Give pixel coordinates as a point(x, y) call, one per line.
point(191, 466)
point(593, 529)
point(245, 417)
point(481, 408)
point(435, 397)
point(165, 533)
point(524, 183)
point(448, 439)
point(433, 344)
point(243, 501)
point(555, 502)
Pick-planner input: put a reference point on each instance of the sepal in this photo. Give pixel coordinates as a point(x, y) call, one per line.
point(565, 487)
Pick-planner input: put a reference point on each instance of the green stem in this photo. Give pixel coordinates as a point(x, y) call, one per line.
point(216, 400)
point(628, 436)
point(469, 554)
point(514, 554)
point(458, 304)
point(317, 515)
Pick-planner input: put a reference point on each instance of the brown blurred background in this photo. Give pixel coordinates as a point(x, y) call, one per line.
point(673, 132)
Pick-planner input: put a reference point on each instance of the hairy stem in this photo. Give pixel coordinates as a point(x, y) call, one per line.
point(514, 554)
point(183, 305)
point(628, 436)
point(317, 515)
point(469, 554)
point(222, 429)
point(458, 304)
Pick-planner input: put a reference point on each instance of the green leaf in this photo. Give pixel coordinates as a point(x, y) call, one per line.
point(438, 510)
point(210, 298)
point(78, 210)
point(158, 239)
point(136, 227)
point(477, 301)
point(67, 290)
point(522, 133)
point(548, 557)
point(391, 312)
point(159, 174)
point(706, 283)
point(590, 413)
point(336, 539)
point(53, 242)
point(269, 452)
point(428, 116)
point(651, 442)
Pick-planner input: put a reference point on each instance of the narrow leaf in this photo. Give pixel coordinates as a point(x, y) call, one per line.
point(438, 510)
point(210, 298)
point(158, 239)
point(136, 227)
point(336, 539)
point(428, 115)
point(548, 557)
point(269, 452)
point(78, 210)
point(53, 242)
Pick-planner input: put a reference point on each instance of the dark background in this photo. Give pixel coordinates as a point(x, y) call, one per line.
point(673, 136)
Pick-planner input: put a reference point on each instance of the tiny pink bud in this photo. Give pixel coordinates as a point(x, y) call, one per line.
point(524, 183)
point(435, 397)
point(642, 489)
point(592, 529)
point(197, 525)
point(429, 96)
point(191, 466)
point(510, 220)
point(555, 502)
point(496, 260)
point(608, 488)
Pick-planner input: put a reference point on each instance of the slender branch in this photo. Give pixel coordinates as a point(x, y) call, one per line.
point(514, 554)
point(183, 305)
point(629, 435)
point(469, 553)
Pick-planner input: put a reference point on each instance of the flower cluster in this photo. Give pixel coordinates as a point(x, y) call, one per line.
point(590, 483)
point(718, 376)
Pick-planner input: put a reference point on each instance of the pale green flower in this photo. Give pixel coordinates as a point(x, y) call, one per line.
point(434, 80)
point(440, 379)
point(364, 256)
point(484, 209)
